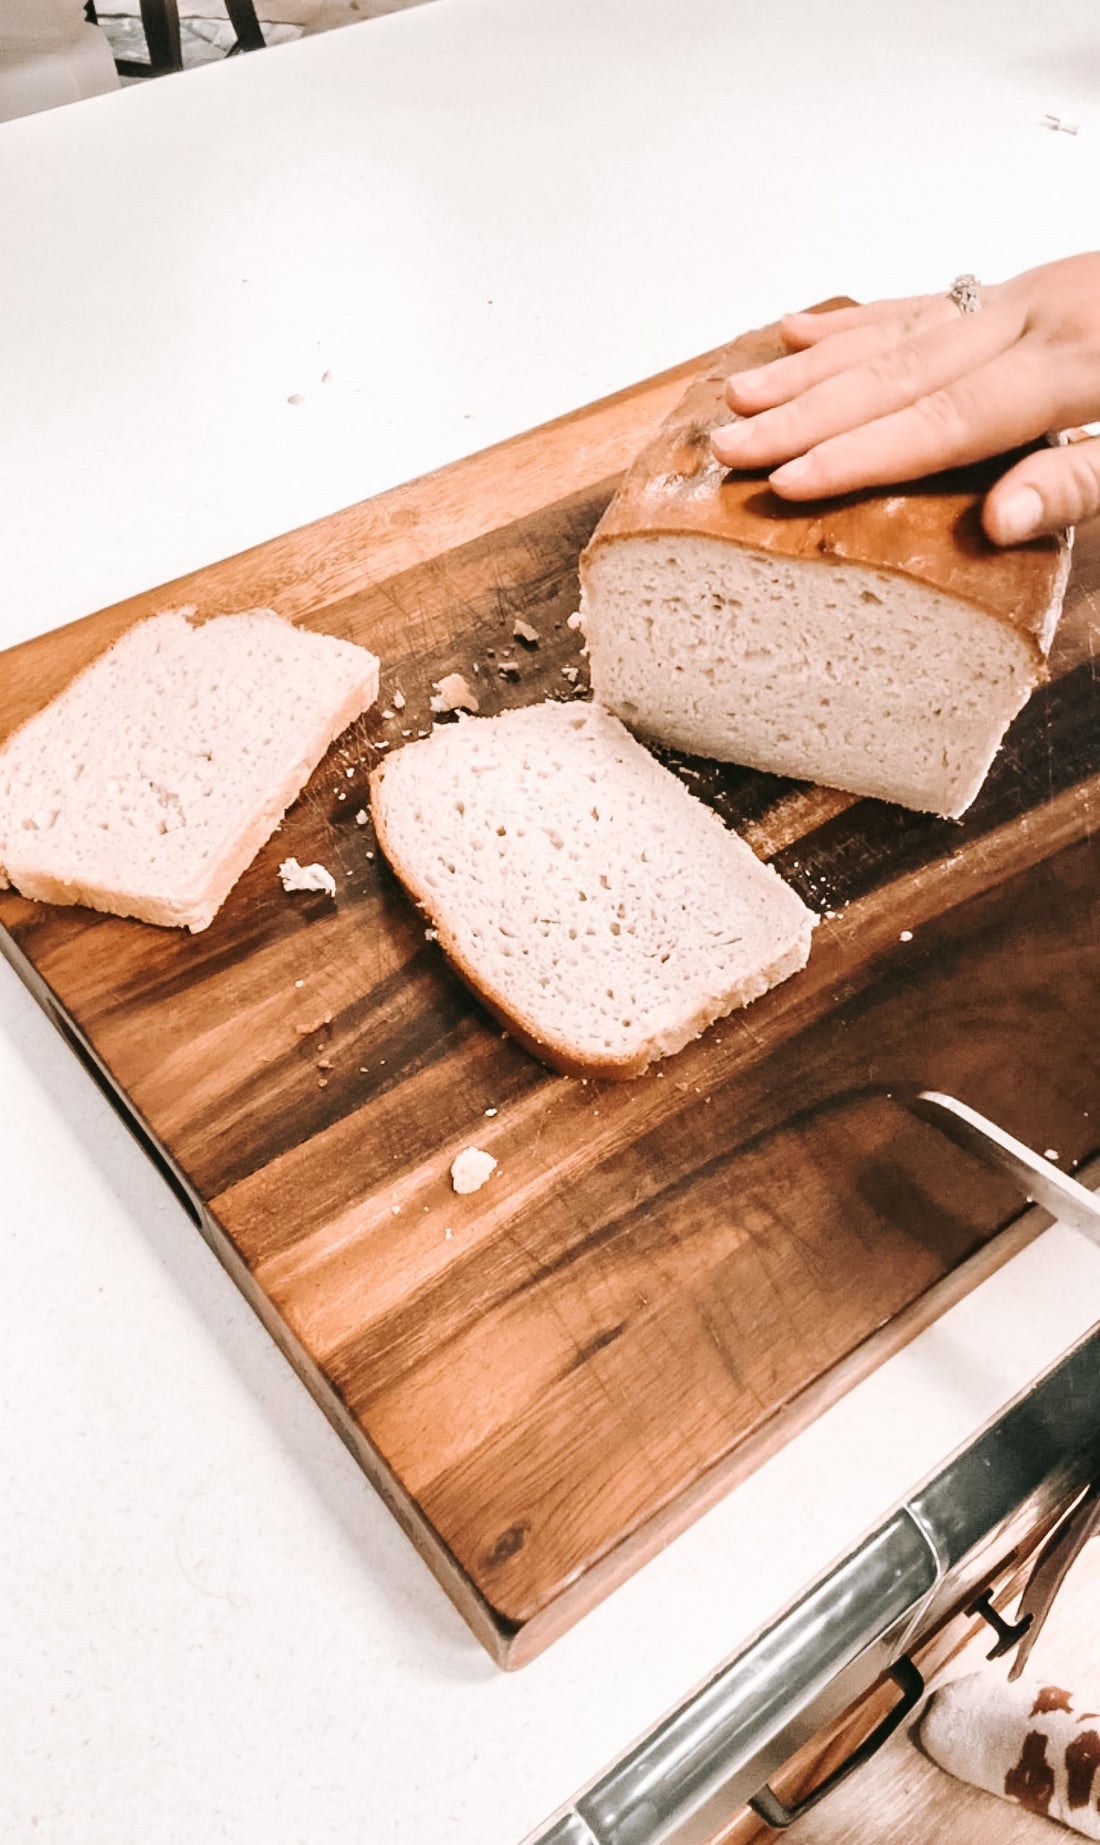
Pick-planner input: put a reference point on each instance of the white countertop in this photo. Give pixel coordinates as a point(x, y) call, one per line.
point(475, 215)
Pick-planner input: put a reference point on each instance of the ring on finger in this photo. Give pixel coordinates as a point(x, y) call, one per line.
point(966, 294)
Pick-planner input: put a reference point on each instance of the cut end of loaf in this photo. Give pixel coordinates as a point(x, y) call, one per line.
point(150, 783)
point(876, 643)
point(829, 672)
point(605, 915)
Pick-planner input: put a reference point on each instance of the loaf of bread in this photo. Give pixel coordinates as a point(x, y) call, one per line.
point(602, 913)
point(150, 783)
point(877, 643)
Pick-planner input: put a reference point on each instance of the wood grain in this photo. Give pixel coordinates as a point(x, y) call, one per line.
point(549, 1379)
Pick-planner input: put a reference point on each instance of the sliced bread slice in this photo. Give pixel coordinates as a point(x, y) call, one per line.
point(150, 783)
point(877, 643)
point(603, 913)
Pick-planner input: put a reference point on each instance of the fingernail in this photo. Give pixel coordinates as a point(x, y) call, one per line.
point(1019, 515)
point(791, 472)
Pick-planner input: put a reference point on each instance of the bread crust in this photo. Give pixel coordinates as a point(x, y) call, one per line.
point(927, 531)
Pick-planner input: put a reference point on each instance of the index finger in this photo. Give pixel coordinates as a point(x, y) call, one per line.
point(1001, 405)
point(764, 386)
point(911, 312)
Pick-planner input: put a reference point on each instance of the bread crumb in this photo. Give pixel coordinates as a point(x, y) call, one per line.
point(448, 1234)
point(387, 713)
point(322, 1082)
point(508, 669)
point(306, 877)
point(296, 397)
point(1051, 1153)
point(324, 1063)
point(452, 693)
point(315, 1022)
point(350, 773)
point(299, 983)
point(341, 794)
point(398, 699)
point(471, 1169)
point(431, 935)
point(523, 631)
point(490, 1112)
point(361, 817)
point(397, 1210)
point(572, 673)
point(906, 935)
point(574, 620)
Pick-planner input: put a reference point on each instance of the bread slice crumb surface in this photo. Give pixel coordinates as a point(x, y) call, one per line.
point(148, 785)
point(600, 910)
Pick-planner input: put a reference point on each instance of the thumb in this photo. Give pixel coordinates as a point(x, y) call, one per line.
point(1045, 492)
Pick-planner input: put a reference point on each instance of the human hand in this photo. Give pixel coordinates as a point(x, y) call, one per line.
point(899, 389)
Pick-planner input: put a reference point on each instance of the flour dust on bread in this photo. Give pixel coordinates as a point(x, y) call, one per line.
point(148, 785)
point(877, 644)
point(601, 911)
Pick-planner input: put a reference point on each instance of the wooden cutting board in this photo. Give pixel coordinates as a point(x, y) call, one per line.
point(664, 1279)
